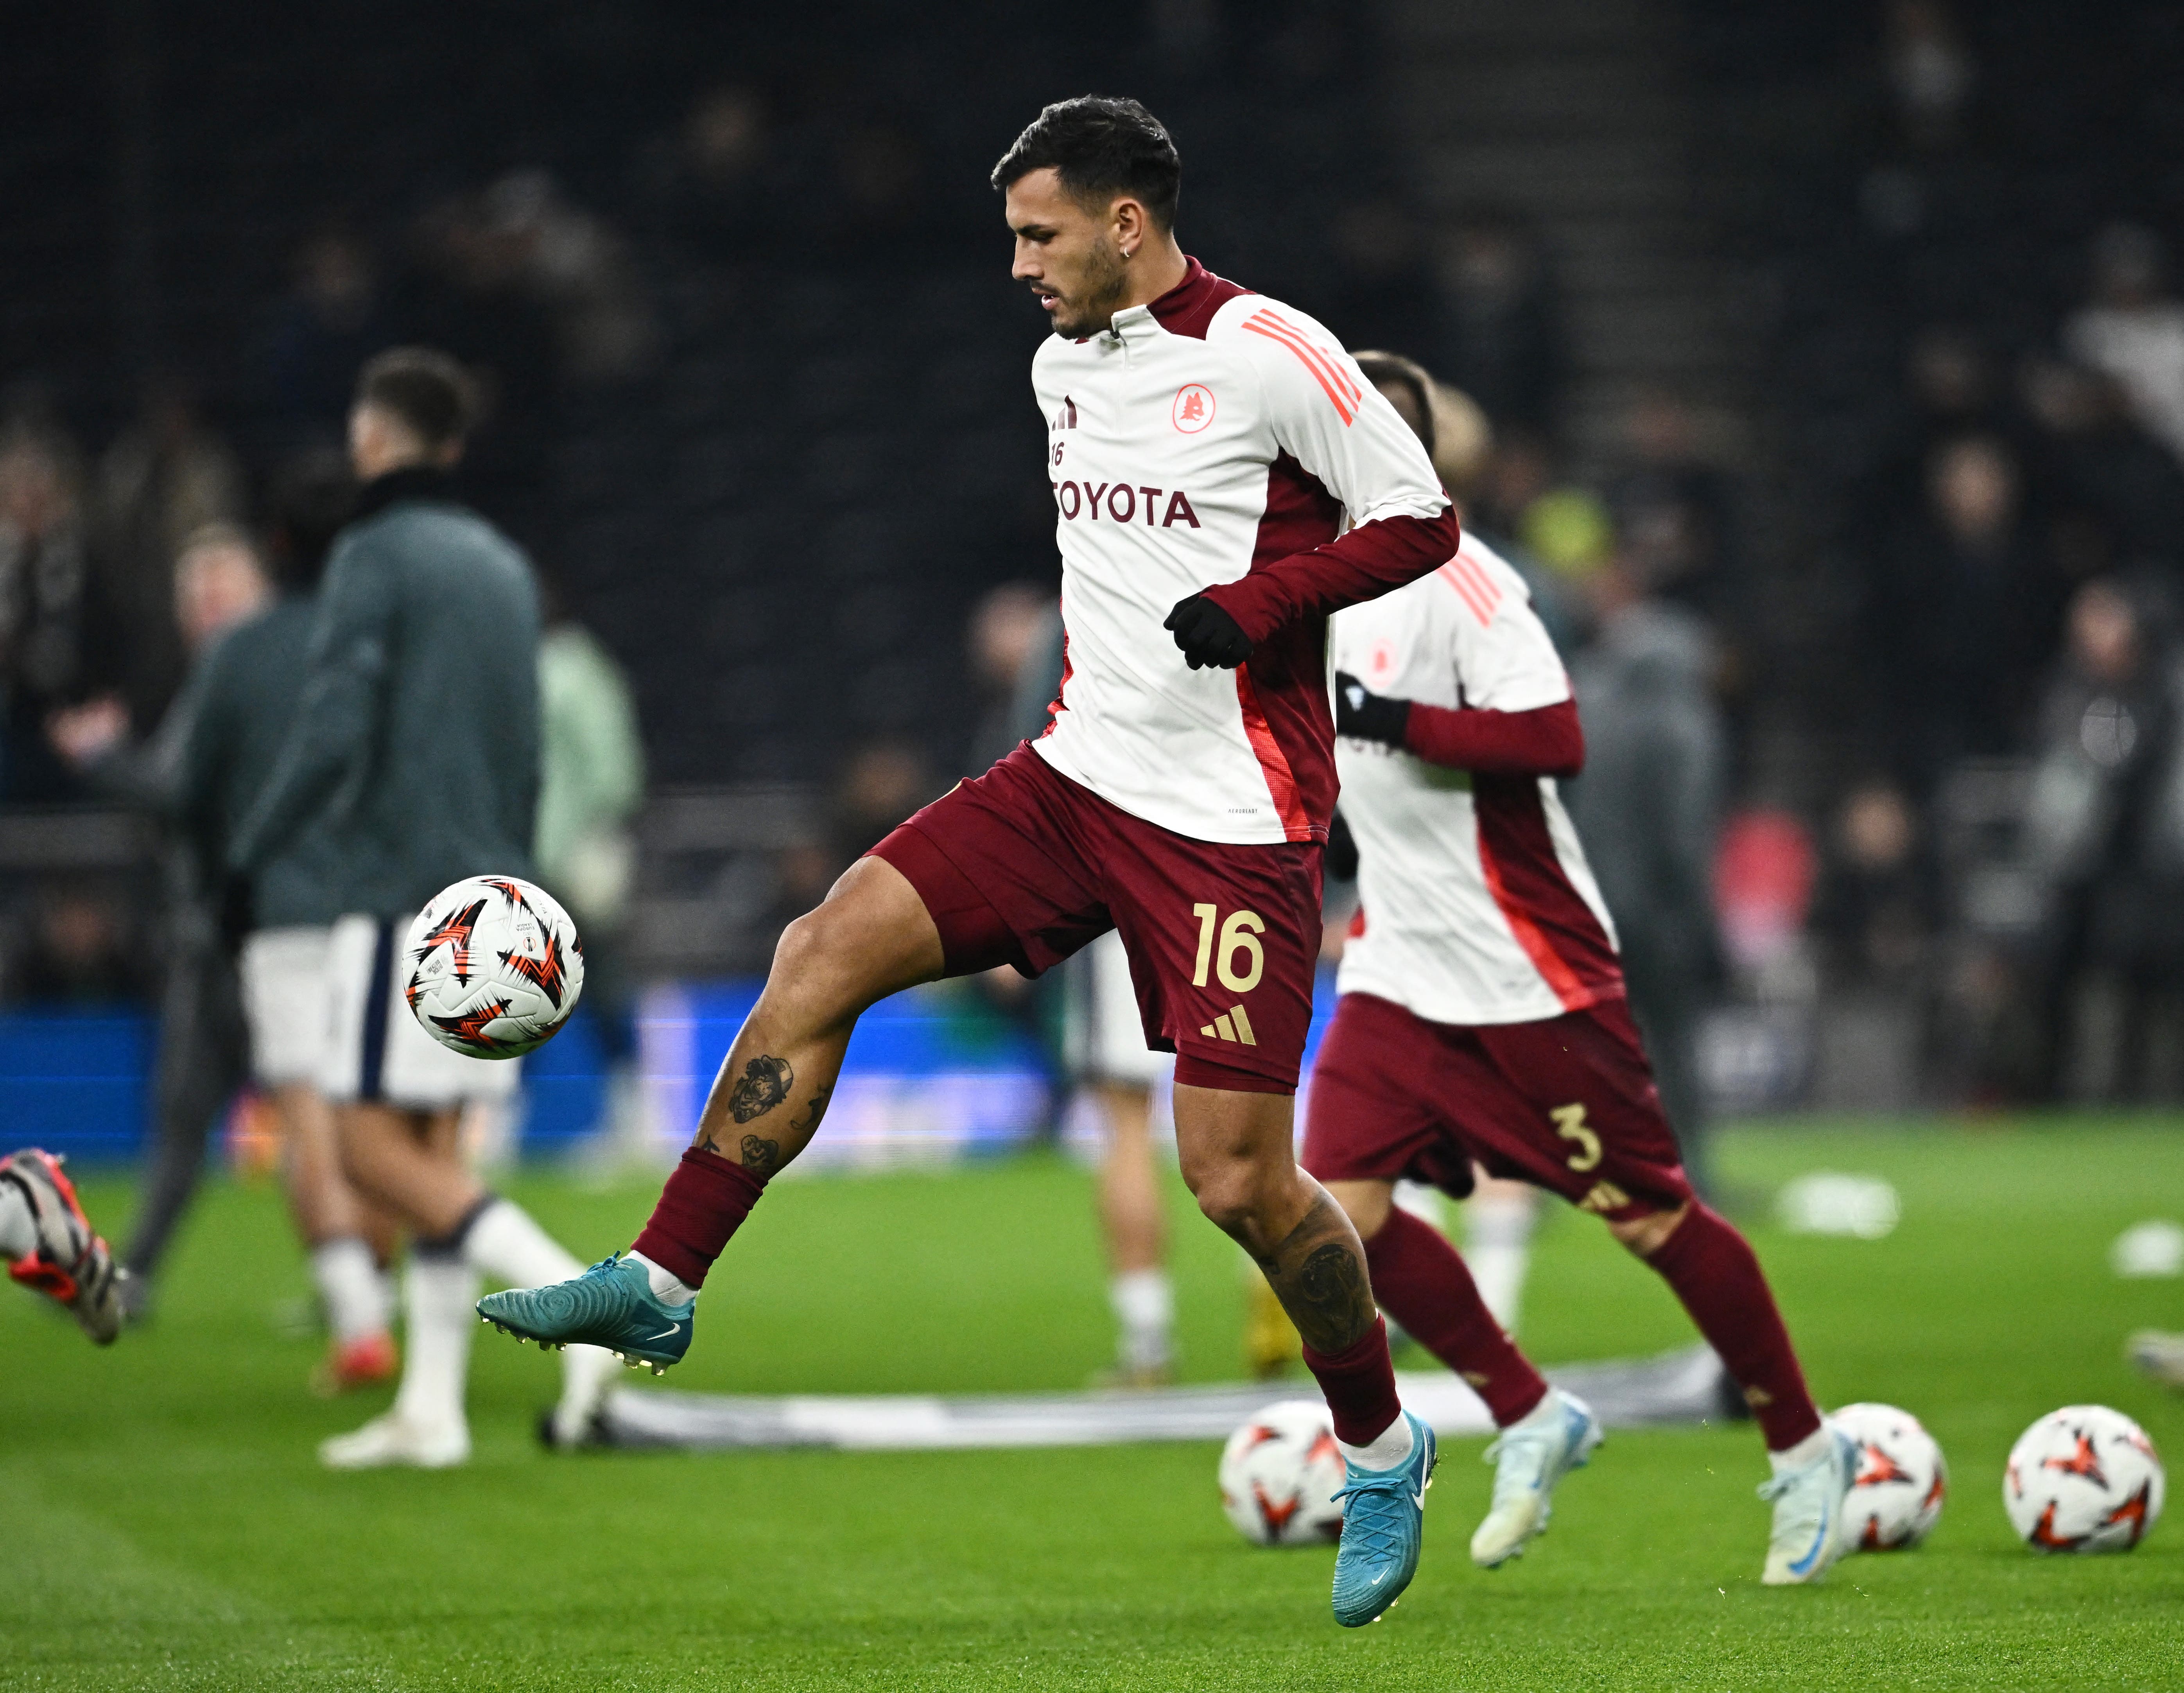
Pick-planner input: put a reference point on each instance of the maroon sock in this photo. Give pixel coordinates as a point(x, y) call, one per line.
point(1359, 1383)
point(1421, 1282)
point(1714, 1272)
point(705, 1200)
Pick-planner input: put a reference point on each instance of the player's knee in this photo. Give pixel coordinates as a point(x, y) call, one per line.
point(1646, 1234)
point(1229, 1198)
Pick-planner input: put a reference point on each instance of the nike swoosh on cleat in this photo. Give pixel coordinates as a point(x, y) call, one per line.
point(664, 1335)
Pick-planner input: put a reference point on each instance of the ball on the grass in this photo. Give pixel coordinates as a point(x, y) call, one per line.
point(2083, 1479)
point(1902, 1478)
point(494, 966)
point(1280, 1474)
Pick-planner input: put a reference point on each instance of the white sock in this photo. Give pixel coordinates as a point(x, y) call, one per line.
point(1144, 1306)
point(507, 1244)
point(1547, 1410)
point(348, 1282)
point(1809, 1451)
point(441, 1294)
point(504, 1241)
point(19, 1224)
point(668, 1288)
point(1386, 1450)
point(1498, 1251)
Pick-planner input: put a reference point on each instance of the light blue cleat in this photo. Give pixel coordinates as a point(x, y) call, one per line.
point(1529, 1459)
point(611, 1304)
point(1383, 1522)
point(1812, 1507)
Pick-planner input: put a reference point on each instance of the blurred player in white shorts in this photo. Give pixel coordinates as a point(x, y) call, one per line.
point(1104, 1048)
point(411, 762)
point(351, 1242)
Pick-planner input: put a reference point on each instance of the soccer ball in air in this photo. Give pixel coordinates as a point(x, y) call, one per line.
point(494, 967)
point(1902, 1478)
point(1280, 1473)
point(2083, 1479)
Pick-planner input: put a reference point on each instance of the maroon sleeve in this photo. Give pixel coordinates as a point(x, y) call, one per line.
point(1364, 564)
point(1549, 741)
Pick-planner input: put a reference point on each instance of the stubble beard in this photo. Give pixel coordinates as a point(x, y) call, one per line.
point(1106, 280)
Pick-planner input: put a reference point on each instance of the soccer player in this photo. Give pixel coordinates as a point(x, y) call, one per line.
point(412, 761)
point(51, 1247)
point(1482, 1018)
point(1205, 446)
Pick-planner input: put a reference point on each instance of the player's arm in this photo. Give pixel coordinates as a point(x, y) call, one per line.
point(340, 712)
point(1519, 718)
point(1341, 430)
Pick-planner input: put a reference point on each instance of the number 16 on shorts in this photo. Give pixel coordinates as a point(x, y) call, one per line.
point(1230, 950)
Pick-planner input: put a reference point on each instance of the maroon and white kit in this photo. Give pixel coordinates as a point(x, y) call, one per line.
point(1212, 441)
point(1483, 1016)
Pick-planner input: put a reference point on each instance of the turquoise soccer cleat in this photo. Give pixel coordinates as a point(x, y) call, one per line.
point(1382, 1525)
point(611, 1304)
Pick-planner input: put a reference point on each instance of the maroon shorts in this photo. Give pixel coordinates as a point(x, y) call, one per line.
point(1567, 1104)
point(1023, 867)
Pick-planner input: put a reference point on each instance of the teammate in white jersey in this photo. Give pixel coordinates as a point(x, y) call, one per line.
point(1223, 478)
point(1482, 1019)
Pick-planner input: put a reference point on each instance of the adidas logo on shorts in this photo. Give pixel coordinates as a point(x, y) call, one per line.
point(1232, 1025)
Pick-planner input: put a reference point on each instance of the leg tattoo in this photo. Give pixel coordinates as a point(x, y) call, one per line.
point(1319, 1274)
point(761, 1155)
point(764, 1084)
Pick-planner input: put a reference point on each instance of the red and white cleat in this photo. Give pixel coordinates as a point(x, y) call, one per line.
point(71, 1264)
point(359, 1363)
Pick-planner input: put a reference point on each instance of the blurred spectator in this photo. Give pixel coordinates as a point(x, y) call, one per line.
point(1016, 640)
point(80, 946)
point(1961, 616)
point(1875, 909)
point(1674, 513)
point(331, 320)
point(2133, 328)
point(2106, 827)
point(1383, 295)
point(578, 268)
point(1930, 73)
point(55, 645)
point(2102, 467)
point(879, 785)
point(591, 781)
point(165, 477)
point(1647, 808)
point(1503, 324)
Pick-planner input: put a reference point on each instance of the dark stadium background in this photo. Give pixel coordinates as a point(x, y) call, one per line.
point(760, 411)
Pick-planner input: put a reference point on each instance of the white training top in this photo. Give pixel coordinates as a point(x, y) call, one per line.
point(1476, 902)
point(1210, 432)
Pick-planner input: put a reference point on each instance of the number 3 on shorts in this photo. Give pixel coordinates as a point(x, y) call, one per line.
point(1239, 934)
point(1569, 1124)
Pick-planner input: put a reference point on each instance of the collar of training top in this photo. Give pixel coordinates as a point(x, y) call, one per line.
point(412, 481)
point(1185, 310)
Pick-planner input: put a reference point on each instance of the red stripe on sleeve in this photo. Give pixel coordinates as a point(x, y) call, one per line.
point(1344, 407)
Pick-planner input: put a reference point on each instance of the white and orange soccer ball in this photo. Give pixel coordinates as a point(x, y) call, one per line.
point(2083, 1479)
point(493, 966)
point(1280, 1474)
point(1903, 1478)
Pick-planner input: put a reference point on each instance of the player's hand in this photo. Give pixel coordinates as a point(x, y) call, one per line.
point(1364, 715)
point(1207, 636)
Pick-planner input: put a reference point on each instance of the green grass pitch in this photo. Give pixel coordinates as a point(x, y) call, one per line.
point(166, 1525)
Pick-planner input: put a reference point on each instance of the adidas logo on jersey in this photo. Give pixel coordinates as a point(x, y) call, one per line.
point(1066, 418)
point(1232, 1025)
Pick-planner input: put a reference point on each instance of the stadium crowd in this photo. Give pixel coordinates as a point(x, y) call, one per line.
point(1947, 555)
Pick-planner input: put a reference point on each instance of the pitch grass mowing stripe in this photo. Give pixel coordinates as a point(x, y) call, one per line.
point(169, 1528)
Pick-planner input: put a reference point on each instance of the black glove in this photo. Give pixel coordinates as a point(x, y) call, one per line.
point(1341, 859)
point(1206, 635)
point(1364, 715)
